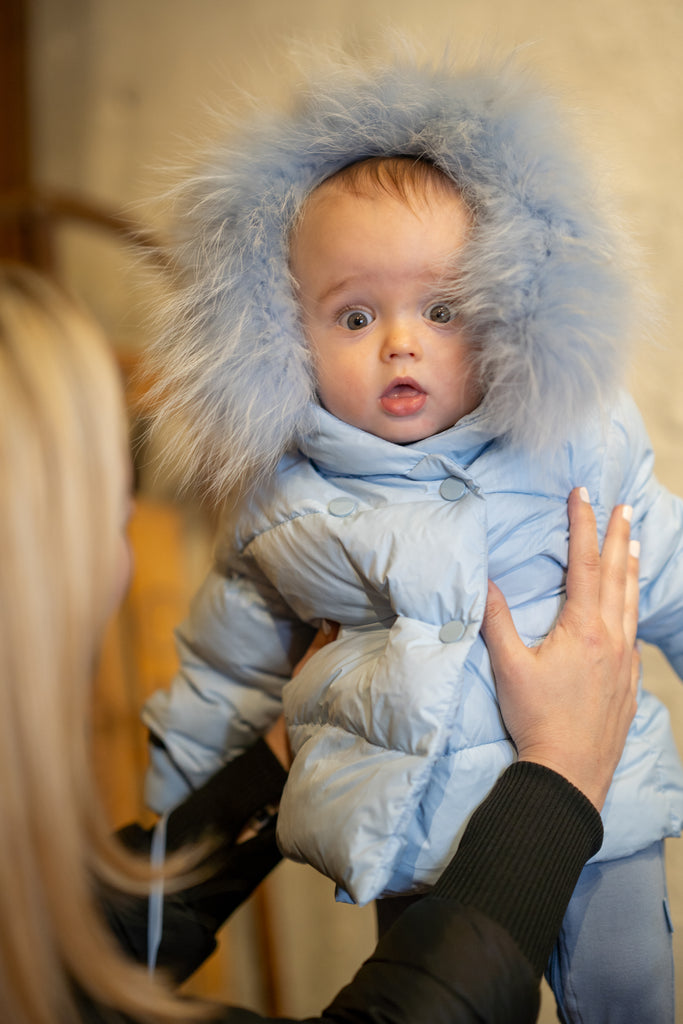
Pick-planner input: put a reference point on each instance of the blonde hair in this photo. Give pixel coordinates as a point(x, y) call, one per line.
point(63, 480)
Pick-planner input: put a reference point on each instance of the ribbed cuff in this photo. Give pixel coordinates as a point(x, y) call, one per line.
point(521, 855)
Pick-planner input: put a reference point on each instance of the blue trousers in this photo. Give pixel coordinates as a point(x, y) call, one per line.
point(613, 961)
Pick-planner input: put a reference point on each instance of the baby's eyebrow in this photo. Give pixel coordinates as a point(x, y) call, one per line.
point(337, 288)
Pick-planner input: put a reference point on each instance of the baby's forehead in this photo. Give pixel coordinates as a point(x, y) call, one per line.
point(353, 238)
point(337, 198)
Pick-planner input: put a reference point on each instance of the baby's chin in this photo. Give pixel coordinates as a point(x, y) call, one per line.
point(396, 430)
point(404, 435)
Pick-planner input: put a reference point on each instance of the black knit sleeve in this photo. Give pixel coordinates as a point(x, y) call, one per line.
point(521, 856)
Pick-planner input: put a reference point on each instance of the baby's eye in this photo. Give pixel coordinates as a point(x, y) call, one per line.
point(356, 320)
point(441, 313)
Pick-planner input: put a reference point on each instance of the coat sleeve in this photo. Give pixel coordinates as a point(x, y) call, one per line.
point(628, 476)
point(236, 650)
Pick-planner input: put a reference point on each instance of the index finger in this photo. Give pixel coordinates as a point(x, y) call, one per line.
point(583, 560)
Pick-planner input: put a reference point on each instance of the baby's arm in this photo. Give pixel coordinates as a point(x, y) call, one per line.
point(661, 607)
point(236, 650)
point(657, 524)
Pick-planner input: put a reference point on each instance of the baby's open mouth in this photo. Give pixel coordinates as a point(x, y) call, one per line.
point(403, 397)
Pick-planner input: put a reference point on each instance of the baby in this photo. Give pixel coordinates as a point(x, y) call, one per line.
point(370, 258)
point(403, 336)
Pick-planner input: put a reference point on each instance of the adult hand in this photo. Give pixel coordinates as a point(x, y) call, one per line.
point(568, 703)
point(276, 737)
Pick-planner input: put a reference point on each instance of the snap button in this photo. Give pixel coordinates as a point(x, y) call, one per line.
point(341, 507)
point(452, 488)
point(452, 631)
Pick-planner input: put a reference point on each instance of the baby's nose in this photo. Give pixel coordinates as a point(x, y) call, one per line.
point(400, 342)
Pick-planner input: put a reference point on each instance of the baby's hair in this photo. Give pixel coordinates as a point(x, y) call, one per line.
point(402, 177)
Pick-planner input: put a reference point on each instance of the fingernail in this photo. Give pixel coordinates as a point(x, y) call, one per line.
point(634, 548)
point(584, 494)
point(627, 513)
point(325, 627)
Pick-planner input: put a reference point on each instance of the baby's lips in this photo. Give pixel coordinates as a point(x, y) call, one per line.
point(403, 397)
point(402, 387)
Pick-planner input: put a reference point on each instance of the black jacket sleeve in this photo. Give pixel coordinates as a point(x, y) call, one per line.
point(437, 965)
point(473, 950)
point(247, 787)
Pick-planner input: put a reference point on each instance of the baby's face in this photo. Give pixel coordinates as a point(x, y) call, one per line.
point(389, 349)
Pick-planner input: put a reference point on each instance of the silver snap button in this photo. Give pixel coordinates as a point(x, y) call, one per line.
point(341, 507)
point(452, 631)
point(453, 489)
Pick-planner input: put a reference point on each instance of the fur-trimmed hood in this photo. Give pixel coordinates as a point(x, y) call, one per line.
point(542, 285)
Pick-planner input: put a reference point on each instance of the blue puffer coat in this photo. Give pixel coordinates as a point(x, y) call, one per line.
point(395, 726)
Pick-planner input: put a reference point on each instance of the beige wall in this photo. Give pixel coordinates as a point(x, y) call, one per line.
point(122, 89)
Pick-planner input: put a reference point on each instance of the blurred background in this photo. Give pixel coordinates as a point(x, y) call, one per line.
point(104, 104)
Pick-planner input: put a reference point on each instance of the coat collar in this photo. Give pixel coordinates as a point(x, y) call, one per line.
point(339, 449)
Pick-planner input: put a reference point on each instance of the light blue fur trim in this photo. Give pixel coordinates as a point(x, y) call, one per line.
point(542, 285)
